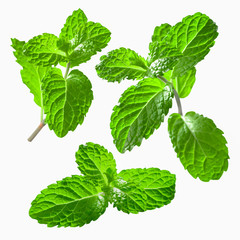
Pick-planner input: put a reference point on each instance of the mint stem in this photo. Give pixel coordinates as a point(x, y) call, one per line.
point(37, 130)
point(42, 123)
point(179, 105)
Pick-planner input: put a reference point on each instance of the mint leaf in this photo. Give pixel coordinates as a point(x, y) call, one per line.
point(78, 200)
point(73, 23)
point(73, 201)
point(160, 32)
point(194, 37)
point(140, 111)
point(31, 74)
point(129, 198)
point(66, 102)
point(162, 58)
point(94, 161)
point(42, 50)
point(199, 145)
point(120, 64)
point(159, 185)
point(183, 84)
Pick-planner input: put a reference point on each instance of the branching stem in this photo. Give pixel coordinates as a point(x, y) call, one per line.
point(42, 123)
point(179, 105)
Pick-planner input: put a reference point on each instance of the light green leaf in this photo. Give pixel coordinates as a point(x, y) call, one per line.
point(73, 23)
point(83, 41)
point(160, 32)
point(140, 111)
point(127, 197)
point(31, 74)
point(199, 145)
point(120, 64)
point(42, 50)
point(183, 84)
point(162, 58)
point(194, 37)
point(159, 185)
point(66, 102)
point(94, 161)
point(73, 201)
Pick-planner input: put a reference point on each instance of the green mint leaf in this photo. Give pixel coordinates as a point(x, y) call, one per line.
point(140, 111)
point(120, 64)
point(162, 58)
point(199, 145)
point(160, 32)
point(128, 197)
point(183, 84)
point(73, 201)
point(194, 37)
point(66, 102)
point(95, 162)
point(73, 23)
point(42, 50)
point(159, 185)
point(31, 74)
point(81, 39)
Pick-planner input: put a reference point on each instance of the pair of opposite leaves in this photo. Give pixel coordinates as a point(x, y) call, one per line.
point(174, 51)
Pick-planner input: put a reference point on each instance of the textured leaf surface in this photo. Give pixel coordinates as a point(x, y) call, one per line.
point(199, 145)
point(183, 84)
point(194, 37)
point(159, 185)
point(120, 64)
point(160, 32)
point(129, 198)
point(162, 58)
point(140, 111)
point(73, 201)
point(73, 23)
point(31, 74)
point(83, 40)
point(94, 161)
point(66, 102)
point(42, 50)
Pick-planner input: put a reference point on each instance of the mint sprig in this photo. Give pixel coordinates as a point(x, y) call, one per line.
point(65, 99)
point(169, 71)
point(78, 200)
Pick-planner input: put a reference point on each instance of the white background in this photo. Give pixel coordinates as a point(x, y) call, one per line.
point(200, 210)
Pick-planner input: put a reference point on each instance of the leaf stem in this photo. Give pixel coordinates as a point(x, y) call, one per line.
point(67, 70)
point(179, 105)
point(37, 130)
point(42, 123)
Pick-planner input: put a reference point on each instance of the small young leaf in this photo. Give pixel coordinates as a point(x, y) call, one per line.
point(160, 32)
point(42, 50)
point(128, 197)
point(120, 64)
point(73, 201)
point(140, 111)
point(194, 37)
point(159, 185)
point(31, 74)
point(183, 84)
point(94, 161)
point(73, 25)
point(199, 145)
point(66, 102)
